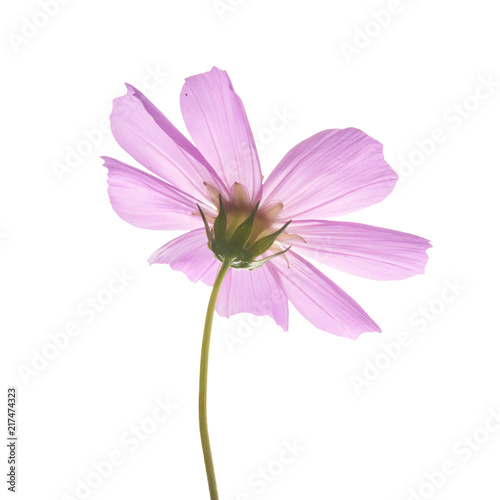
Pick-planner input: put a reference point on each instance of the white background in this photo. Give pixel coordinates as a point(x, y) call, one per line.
point(61, 241)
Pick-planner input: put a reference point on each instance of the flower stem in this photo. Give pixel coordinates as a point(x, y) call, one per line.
point(205, 441)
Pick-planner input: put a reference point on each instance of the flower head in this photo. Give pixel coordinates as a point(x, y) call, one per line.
point(240, 242)
point(264, 229)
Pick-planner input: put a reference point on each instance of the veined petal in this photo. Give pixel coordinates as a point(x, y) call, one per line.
point(368, 251)
point(146, 201)
point(189, 253)
point(332, 173)
point(320, 300)
point(149, 137)
point(257, 292)
point(217, 122)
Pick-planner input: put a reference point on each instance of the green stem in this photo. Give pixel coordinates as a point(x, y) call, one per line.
point(205, 441)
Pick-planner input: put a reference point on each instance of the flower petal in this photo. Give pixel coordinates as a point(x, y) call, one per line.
point(189, 253)
point(320, 300)
point(146, 201)
point(217, 122)
point(257, 292)
point(368, 251)
point(332, 173)
point(149, 137)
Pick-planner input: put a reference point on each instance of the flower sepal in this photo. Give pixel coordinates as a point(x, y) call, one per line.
point(235, 248)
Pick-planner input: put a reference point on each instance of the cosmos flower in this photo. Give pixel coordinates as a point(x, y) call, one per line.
point(215, 191)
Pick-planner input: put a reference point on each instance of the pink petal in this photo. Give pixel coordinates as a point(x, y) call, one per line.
point(189, 253)
point(320, 300)
point(332, 173)
point(149, 137)
point(146, 201)
point(368, 251)
point(218, 125)
point(257, 292)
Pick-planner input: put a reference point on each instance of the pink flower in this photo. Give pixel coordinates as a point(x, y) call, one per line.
point(332, 173)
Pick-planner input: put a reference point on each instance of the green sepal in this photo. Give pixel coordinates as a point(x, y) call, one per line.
point(234, 250)
point(220, 223)
point(244, 230)
point(207, 228)
point(264, 244)
point(258, 263)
